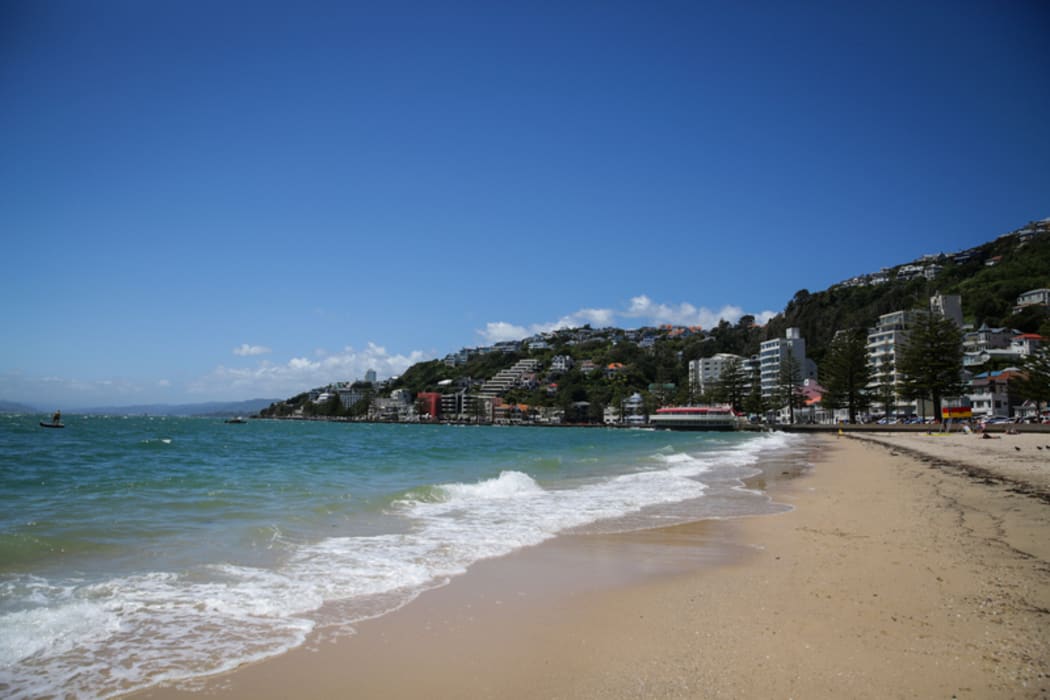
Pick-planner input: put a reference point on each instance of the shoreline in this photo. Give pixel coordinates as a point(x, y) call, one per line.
point(889, 577)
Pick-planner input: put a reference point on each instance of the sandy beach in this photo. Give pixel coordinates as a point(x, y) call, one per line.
point(910, 567)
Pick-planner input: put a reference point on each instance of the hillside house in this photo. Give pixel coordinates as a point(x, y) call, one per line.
point(994, 394)
point(1034, 297)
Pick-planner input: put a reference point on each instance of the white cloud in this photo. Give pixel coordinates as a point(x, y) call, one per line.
point(764, 317)
point(640, 308)
point(596, 317)
point(265, 379)
point(268, 379)
point(246, 350)
point(684, 314)
point(501, 330)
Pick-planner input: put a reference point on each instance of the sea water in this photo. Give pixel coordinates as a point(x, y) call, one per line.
point(143, 550)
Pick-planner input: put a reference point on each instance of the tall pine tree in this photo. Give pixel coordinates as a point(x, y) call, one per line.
point(931, 362)
point(1036, 383)
point(789, 386)
point(732, 385)
point(845, 373)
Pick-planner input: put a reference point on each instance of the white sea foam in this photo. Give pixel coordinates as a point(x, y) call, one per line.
point(105, 638)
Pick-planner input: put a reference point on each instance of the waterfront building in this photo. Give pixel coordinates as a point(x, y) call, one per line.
point(706, 372)
point(452, 405)
point(885, 343)
point(773, 353)
point(634, 410)
point(429, 404)
point(994, 394)
point(351, 395)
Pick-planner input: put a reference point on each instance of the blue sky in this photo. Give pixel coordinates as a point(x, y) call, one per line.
point(212, 201)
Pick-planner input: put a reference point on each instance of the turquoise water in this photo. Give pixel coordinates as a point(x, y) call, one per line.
point(137, 550)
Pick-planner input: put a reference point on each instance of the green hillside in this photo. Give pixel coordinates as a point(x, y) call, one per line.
point(611, 364)
point(989, 282)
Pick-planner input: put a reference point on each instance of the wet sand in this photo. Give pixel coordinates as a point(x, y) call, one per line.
point(892, 577)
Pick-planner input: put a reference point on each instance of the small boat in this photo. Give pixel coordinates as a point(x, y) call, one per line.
point(238, 419)
point(56, 421)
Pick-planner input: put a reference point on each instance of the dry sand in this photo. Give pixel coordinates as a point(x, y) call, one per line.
point(892, 577)
point(1022, 459)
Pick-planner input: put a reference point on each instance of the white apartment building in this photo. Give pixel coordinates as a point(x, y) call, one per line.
point(885, 343)
point(706, 372)
point(772, 354)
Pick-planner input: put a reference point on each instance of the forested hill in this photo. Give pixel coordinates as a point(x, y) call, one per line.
point(989, 279)
point(610, 364)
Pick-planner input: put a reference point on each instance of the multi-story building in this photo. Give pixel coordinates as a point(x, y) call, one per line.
point(947, 306)
point(351, 395)
point(885, 343)
point(463, 406)
point(773, 353)
point(507, 379)
point(706, 372)
point(986, 344)
point(994, 394)
point(985, 338)
point(634, 410)
point(451, 405)
point(429, 403)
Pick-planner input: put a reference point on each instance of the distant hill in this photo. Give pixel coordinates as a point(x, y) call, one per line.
point(13, 407)
point(214, 408)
